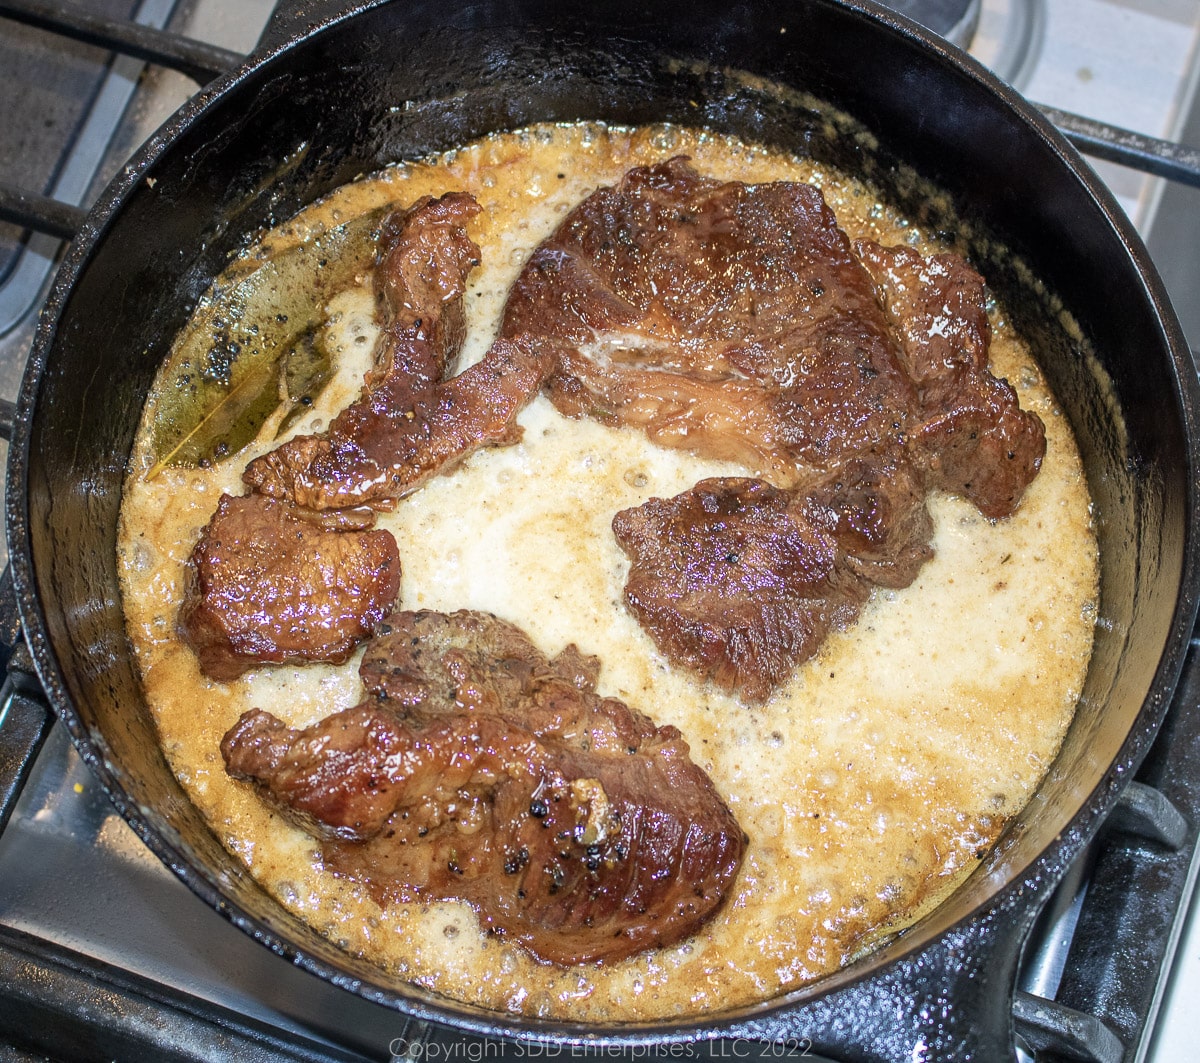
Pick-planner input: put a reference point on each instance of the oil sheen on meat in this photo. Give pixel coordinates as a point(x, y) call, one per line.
point(868, 785)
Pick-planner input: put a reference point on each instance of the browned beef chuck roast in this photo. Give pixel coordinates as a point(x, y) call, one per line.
point(740, 581)
point(266, 585)
point(739, 322)
point(386, 445)
point(411, 421)
point(674, 289)
point(478, 769)
point(873, 507)
point(969, 434)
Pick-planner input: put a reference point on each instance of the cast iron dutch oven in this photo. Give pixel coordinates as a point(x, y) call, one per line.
point(386, 81)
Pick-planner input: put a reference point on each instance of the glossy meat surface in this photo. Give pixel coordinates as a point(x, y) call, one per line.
point(268, 586)
point(719, 317)
point(387, 444)
point(968, 434)
point(478, 769)
point(741, 581)
point(412, 421)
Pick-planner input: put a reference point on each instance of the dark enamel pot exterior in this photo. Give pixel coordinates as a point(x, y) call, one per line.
point(386, 81)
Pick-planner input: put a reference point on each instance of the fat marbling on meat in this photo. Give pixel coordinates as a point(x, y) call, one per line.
point(740, 322)
point(715, 316)
point(478, 769)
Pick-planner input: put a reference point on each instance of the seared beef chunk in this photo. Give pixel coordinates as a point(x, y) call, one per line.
point(411, 421)
point(741, 581)
point(387, 444)
point(424, 261)
point(267, 585)
point(700, 311)
point(969, 434)
point(874, 508)
point(717, 317)
point(936, 309)
point(730, 580)
point(479, 770)
point(738, 321)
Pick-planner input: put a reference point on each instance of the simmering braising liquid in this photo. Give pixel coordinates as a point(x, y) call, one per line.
point(869, 785)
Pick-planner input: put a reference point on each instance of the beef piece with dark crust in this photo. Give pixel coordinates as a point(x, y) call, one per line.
point(969, 435)
point(477, 769)
point(393, 440)
point(741, 581)
point(268, 586)
point(412, 421)
point(425, 257)
point(739, 321)
point(732, 581)
point(874, 508)
point(716, 316)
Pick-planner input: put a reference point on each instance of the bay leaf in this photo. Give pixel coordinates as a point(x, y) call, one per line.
point(232, 367)
point(306, 369)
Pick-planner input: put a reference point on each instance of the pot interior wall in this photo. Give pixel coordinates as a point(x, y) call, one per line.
point(404, 79)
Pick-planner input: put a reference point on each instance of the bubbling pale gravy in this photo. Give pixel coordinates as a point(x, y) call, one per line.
point(869, 785)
